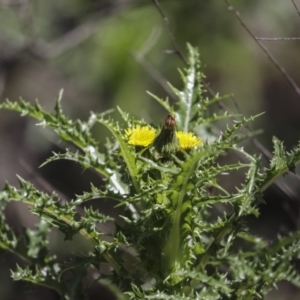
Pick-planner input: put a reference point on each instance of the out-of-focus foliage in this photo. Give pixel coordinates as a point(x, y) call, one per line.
point(93, 46)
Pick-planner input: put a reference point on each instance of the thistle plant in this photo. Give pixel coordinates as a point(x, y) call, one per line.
point(170, 242)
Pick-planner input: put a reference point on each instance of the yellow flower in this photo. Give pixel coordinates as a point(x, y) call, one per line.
point(140, 135)
point(145, 135)
point(188, 140)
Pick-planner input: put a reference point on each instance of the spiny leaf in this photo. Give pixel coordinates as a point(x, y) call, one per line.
point(230, 131)
point(279, 160)
point(9, 241)
point(207, 102)
point(97, 193)
point(187, 104)
point(249, 191)
point(87, 160)
point(179, 188)
point(216, 117)
point(218, 283)
point(56, 213)
point(281, 163)
point(164, 103)
point(125, 150)
point(161, 167)
point(45, 276)
point(37, 242)
point(67, 130)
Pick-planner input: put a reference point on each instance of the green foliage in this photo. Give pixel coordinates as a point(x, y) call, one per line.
point(182, 248)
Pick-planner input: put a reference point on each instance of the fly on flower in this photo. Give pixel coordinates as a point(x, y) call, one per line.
point(170, 122)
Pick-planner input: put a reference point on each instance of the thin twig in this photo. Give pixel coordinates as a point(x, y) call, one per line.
point(170, 33)
point(278, 39)
point(265, 50)
point(296, 8)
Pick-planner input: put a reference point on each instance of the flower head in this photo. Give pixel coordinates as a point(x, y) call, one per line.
point(140, 135)
point(188, 140)
point(168, 140)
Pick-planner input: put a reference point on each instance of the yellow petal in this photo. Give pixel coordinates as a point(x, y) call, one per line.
point(140, 135)
point(188, 140)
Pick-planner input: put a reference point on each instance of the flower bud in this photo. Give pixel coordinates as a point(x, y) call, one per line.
point(167, 142)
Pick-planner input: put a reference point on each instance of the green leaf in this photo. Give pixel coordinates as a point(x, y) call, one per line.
point(164, 103)
point(217, 283)
point(10, 241)
point(179, 189)
point(187, 98)
point(45, 277)
point(127, 155)
point(87, 160)
point(281, 163)
point(97, 193)
point(61, 215)
point(75, 132)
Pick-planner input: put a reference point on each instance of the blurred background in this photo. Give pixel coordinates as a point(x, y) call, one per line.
point(105, 53)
